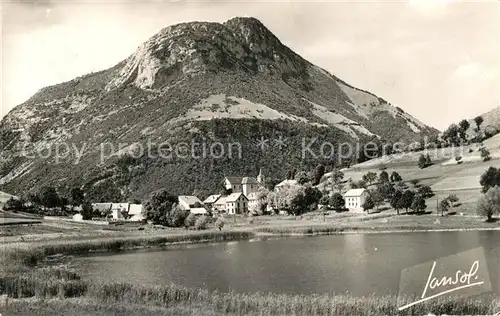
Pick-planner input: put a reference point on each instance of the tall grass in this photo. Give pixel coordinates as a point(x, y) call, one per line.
point(29, 254)
point(53, 283)
point(46, 283)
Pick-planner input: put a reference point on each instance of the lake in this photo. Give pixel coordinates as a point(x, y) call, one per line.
point(357, 264)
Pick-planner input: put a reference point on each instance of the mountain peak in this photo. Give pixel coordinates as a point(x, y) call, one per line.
point(240, 43)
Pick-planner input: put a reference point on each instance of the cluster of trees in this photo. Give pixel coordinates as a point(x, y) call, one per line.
point(295, 200)
point(391, 189)
point(47, 201)
point(457, 133)
point(336, 201)
point(371, 178)
point(314, 177)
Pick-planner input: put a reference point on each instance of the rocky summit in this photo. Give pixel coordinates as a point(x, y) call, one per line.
point(223, 94)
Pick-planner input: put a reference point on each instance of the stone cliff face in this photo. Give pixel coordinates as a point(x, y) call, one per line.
point(189, 80)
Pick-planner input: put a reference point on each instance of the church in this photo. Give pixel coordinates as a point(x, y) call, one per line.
point(245, 185)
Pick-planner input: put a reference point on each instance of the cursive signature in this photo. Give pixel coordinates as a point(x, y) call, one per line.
point(460, 280)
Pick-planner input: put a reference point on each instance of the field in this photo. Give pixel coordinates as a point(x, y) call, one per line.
point(459, 179)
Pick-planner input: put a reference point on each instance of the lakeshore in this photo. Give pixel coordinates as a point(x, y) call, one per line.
point(49, 290)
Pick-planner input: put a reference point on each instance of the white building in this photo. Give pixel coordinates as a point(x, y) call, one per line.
point(220, 205)
point(119, 211)
point(135, 213)
point(236, 203)
point(191, 203)
point(355, 198)
point(210, 201)
point(78, 217)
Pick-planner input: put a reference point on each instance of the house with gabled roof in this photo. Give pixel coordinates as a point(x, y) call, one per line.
point(192, 204)
point(220, 205)
point(209, 201)
point(236, 203)
point(355, 198)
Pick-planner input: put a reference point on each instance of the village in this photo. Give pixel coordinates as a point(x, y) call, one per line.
point(244, 195)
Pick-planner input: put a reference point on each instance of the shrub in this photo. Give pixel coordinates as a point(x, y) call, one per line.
point(177, 217)
point(190, 221)
point(201, 222)
point(485, 154)
point(453, 199)
point(489, 204)
point(14, 205)
point(219, 223)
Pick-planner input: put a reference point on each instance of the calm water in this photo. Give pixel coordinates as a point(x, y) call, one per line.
point(359, 264)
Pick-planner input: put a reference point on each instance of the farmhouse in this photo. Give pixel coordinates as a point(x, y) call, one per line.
point(236, 203)
point(192, 204)
point(135, 213)
point(220, 205)
point(120, 211)
point(210, 201)
point(355, 198)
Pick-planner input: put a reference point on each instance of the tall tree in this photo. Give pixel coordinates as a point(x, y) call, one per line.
point(395, 177)
point(425, 191)
point(395, 200)
point(479, 120)
point(422, 162)
point(159, 206)
point(443, 206)
point(368, 205)
point(464, 126)
point(336, 179)
point(77, 196)
point(407, 199)
point(377, 198)
point(370, 177)
point(318, 174)
point(418, 204)
point(383, 177)
point(451, 134)
point(386, 190)
point(337, 201)
point(490, 178)
point(489, 204)
point(49, 197)
point(87, 210)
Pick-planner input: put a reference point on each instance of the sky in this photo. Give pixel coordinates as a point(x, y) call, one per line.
point(439, 60)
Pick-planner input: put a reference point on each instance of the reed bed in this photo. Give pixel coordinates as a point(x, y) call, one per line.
point(19, 280)
point(29, 254)
point(46, 283)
